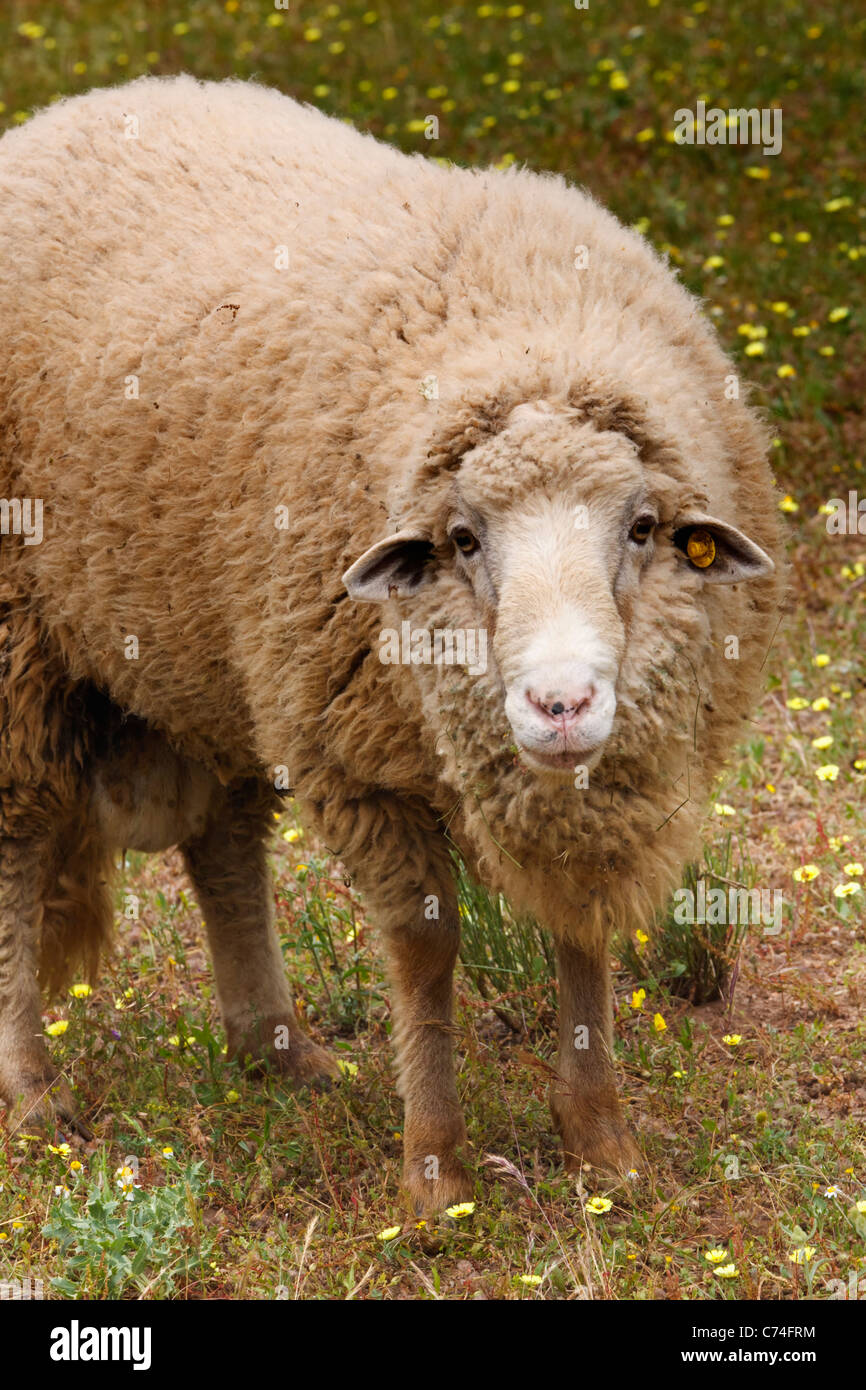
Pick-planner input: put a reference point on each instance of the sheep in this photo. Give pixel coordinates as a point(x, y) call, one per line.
point(280, 392)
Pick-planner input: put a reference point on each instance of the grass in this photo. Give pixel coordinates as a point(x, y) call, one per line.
point(695, 958)
point(509, 959)
point(750, 1105)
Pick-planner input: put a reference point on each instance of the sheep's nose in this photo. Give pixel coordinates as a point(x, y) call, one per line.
point(562, 707)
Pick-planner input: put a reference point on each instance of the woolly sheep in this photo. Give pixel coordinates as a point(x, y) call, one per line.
point(247, 351)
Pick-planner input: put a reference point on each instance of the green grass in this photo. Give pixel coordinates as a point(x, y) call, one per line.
point(508, 958)
point(270, 1196)
point(694, 959)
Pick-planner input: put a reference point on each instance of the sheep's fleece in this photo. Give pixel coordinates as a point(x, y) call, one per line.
point(240, 345)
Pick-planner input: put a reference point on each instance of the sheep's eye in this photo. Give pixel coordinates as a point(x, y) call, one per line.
point(642, 530)
point(464, 540)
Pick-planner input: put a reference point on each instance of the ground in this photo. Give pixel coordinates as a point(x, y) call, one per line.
point(750, 1109)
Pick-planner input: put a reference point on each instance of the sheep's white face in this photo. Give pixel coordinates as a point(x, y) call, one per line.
point(553, 527)
point(546, 574)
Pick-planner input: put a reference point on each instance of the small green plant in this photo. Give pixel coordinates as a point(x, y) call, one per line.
point(329, 931)
point(115, 1239)
point(503, 953)
point(694, 959)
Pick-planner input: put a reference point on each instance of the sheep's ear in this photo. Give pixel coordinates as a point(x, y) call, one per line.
point(721, 553)
point(398, 565)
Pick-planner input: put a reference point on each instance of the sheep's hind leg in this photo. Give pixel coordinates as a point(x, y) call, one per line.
point(37, 1095)
point(228, 866)
point(583, 1099)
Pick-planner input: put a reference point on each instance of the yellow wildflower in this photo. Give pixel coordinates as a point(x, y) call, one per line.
point(460, 1210)
point(801, 1254)
point(598, 1205)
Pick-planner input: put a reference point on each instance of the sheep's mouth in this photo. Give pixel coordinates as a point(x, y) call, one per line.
point(567, 761)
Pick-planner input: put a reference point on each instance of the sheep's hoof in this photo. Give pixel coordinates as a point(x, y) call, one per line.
point(287, 1052)
point(595, 1138)
point(605, 1160)
point(426, 1196)
point(49, 1107)
point(309, 1066)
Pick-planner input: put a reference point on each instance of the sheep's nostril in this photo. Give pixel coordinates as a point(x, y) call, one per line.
point(564, 709)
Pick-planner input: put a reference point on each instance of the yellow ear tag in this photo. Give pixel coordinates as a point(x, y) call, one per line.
point(701, 549)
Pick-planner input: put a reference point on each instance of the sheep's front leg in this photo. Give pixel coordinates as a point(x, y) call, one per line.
point(583, 1099)
point(421, 956)
point(29, 1083)
point(403, 869)
point(228, 865)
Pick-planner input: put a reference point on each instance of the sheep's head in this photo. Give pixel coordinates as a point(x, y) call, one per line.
point(561, 531)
